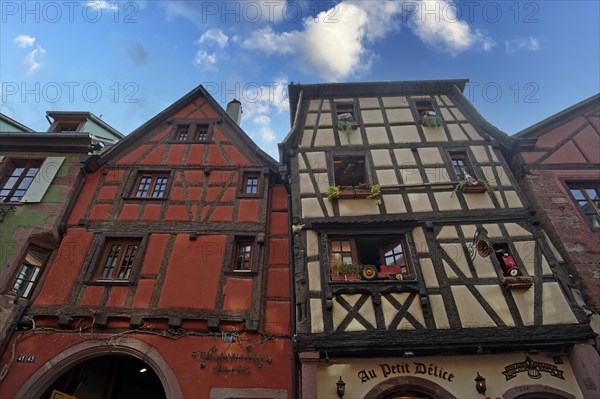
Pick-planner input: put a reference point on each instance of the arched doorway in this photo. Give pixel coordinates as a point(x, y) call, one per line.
point(408, 388)
point(55, 368)
point(536, 391)
point(107, 377)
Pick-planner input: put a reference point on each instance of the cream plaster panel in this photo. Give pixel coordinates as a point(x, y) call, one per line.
point(546, 270)
point(456, 132)
point(405, 134)
point(468, 230)
point(447, 115)
point(311, 208)
point(504, 176)
point(553, 248)
point(325, 138)
point(381, 158)
point(514, 230)
point(473, 134)
point(524, 300)
point(312, 243)
point(446, 201)
point(435, 133)
point(355, 326)
point(493, 231)
point(456, 253)
point(436, 303)
point(430, 156)
point(526, 251)
point(480, 154)
point(372, 116)
point(494, 297)
point(314, 105)
point(311, 119)
point(307, 136)
point(306, 186)
point(301, 164)
point(354, 136)
point(458, 114)
point(314, 276)
point(326, 106)
point(377, 135)
point(368, 313)
point(419, 202)
point(488, 174)
point(449, 272)
point(399, 115)
point(387, 177)
point(358, 207)
point(405, 157)
point(472, 314)
point(428, 272)
point(484, 267)
point(411, 176)
point(555, 308)
point(394, 203)
point(369, 102)
point(478, 201)
point(415, 311)
point(498, 196)
point(513, 199)
point(447, 100)
point(395, 102)
point(339, 312)
point(437, 174)
point(316, 160)
point(447, 233)
point(418, 235)
point(316, 316)
point(389, 311)
point(322, 182)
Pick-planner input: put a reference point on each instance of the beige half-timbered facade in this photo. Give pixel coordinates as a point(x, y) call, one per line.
point(418, 262)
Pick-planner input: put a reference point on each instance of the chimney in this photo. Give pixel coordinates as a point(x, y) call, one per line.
point(234, 110)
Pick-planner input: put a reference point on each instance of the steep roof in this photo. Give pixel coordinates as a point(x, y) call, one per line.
point(14, 123)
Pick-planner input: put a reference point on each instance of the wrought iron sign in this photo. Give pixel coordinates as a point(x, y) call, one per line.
point(231, 363)
point(534, 369)
point(404, 368)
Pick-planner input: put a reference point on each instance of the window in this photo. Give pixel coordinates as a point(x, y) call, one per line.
point(18, 180)
point(423, 107)
point(462, 166)
point(151, 185)
point(370, 257)
point(345, 111)
point(250, 184)
point(349, 171)
point(193, 132)
point(243, 256)
point(506, 260)
point(587, 197)
point(67, 127)
point(117, 260)
point(31, 266)
point(427, 115)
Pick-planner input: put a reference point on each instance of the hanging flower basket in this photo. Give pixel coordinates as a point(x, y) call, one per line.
point(431, 119)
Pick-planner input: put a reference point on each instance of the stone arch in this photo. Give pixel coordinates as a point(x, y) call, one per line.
point(51, 370)
point(414, 383)
point(535, 391)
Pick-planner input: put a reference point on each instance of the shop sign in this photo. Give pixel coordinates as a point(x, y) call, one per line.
point(534, 369)
point(405, 368)
point(231, 363)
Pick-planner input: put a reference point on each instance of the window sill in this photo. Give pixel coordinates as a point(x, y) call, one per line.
point(244, 195)
point(109, 282)
point(207, 141)
point(241, 273)
point(520, 282)
point(476, 189)
point(144, 199)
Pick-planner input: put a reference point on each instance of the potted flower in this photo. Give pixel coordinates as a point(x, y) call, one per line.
point(431, 119)
point(345, 272)
point(469, 184)
point(375, 193)
point(333, 192)
point(347, 124)
point(362, 190)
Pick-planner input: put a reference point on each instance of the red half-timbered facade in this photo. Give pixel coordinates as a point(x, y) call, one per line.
point(172, 279)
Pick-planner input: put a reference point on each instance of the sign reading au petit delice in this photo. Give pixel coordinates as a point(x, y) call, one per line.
point(415, 368)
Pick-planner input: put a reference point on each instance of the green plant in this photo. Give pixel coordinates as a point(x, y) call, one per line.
point(333, 192)
point(347, 268)
point(431, 120)
point(375, 193)
point(470, 181)
point(346, 127)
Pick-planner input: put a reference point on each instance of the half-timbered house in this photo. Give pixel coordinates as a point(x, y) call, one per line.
point(419, 268)
point(172, 278)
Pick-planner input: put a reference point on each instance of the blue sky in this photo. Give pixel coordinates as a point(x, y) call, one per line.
point(128, 60)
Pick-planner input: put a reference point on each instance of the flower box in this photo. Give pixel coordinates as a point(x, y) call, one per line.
point(519, 282)
point(475, 188)
point(345, 277)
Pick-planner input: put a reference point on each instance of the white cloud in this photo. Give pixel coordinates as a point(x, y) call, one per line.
point(214, 36)
point(24, 41)
point(31, 63)
point(102, 5)
point(437, 24)
point(205, 60)
point(262, 120)
point(528, 44)
point(266, 134)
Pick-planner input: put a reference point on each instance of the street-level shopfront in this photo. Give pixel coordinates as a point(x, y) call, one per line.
point(513, 375)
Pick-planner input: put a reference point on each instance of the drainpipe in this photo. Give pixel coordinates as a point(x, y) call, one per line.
point(292, 300)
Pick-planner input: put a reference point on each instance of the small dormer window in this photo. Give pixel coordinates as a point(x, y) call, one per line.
point(65, 127)
point(427, 115)
point(193, 132)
